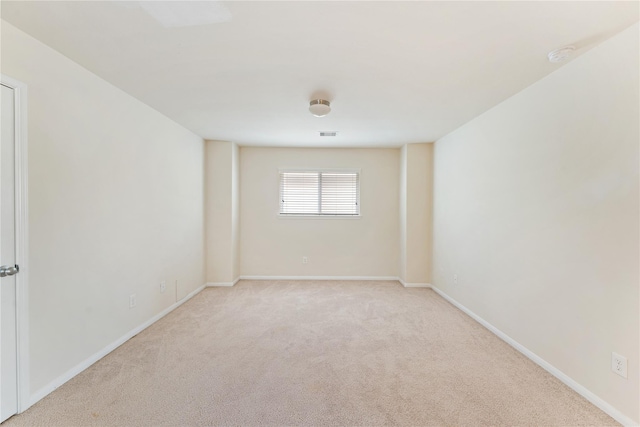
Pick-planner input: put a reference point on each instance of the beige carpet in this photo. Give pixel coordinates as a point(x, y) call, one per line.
point(314, 354)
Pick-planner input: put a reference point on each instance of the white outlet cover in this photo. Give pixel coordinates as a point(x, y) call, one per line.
point(163, 286)
point(132, 300)
point(619, 364)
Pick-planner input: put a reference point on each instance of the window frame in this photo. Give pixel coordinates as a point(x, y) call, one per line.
point(320, 171)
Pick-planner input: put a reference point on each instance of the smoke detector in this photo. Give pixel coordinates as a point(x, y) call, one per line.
point(561, 54)
point(319, 107)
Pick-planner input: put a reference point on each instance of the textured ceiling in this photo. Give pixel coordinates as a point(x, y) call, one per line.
point(395, 72)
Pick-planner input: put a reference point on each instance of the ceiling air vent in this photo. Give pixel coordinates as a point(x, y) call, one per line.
point(328, 133)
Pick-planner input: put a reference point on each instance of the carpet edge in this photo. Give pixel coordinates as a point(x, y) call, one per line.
point(568, 381)
point(62, 379)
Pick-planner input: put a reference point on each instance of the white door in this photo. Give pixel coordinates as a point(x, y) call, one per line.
point(8, 331)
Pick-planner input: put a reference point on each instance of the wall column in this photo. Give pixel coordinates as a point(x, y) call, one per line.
point(222, 212)
point(416, 199)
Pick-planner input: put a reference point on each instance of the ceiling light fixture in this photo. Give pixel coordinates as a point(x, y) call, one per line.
point(561, 54)
point(319, 107)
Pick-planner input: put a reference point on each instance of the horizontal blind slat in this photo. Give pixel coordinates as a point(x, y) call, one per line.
point(299, 192)
point(339, 193)
point(319, 193)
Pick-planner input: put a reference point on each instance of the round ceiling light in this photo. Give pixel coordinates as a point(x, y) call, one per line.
point(561, 54)
point(319, 107)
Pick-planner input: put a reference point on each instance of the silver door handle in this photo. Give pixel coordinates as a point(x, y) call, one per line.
point(6, 270)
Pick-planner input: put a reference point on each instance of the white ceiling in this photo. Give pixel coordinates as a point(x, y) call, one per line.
point(395, 72)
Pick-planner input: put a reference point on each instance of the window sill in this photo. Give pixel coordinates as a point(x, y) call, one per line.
point(321, 217)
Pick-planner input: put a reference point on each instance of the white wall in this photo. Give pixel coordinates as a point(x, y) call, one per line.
point(536, 209)
point(222, 211)
point(116, 206)
point(274, 246)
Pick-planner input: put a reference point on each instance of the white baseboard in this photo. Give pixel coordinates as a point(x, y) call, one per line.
point(44, 391)
point(364, 278)
point(578, 388)
point(216, 284)
point(591, 397)
point(414, 285)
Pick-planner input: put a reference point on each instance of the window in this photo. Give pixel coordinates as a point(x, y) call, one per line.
point(320, 193)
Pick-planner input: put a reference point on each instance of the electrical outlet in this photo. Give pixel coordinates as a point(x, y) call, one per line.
point(132, 300)
point(305, 260)
point(455, 279)
point(163, 286)
point(619, 364)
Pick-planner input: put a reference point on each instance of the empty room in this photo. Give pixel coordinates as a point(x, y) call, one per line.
point(320, 213)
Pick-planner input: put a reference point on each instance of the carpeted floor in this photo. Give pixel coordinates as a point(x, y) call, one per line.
point(314, 354)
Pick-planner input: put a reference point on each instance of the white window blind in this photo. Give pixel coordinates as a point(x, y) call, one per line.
point(319, 193)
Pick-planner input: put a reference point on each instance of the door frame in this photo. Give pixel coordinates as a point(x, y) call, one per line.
point(22, 239)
